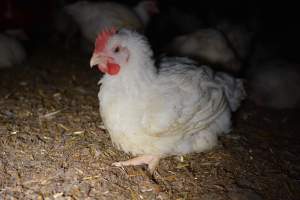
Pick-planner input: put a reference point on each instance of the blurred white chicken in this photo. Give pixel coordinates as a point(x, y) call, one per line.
point(172, 21)
point(11, 51)
point(94, 17)
point(209, 46)
point(239, 37)
point(152, 112)
point(274, 84)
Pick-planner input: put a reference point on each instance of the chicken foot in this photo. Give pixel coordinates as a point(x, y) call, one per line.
point(151, 160)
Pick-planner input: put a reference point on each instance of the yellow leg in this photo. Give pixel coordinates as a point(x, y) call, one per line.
point(151, 160)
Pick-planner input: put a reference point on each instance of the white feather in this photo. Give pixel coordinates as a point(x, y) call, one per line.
point(275, 84)
point(178, 109)
point(239, 36)
point(208, 45)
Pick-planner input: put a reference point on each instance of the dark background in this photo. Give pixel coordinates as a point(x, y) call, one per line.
point(275, 21)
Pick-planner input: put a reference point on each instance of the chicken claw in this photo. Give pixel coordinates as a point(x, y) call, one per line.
point(151, 160)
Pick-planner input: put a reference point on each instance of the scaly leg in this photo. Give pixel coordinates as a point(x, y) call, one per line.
point(151, 160)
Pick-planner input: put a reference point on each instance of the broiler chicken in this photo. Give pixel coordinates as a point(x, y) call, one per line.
point(93, 17)
point(152, 112)
point(239, 37)
point(274, 83)
point(209, 46)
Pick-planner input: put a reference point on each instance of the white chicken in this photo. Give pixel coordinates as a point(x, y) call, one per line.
point(239, 36)
point(274, 84)
point(11, 51)
point(94, 17)
point(209, 46)
point(153, 113)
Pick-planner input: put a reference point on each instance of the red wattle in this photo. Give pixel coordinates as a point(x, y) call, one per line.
point(113, 68)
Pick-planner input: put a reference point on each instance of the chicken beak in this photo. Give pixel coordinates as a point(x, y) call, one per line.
point(97, 59)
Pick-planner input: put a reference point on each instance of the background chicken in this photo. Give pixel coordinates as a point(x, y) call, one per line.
point(274, 83)
point(11, 51)
point(239, 36)
point(176, 109)
point(93, 17)
point(209, 46)
point(171, 21)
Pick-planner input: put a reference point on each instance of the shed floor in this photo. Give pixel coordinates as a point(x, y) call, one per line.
point(53, 146)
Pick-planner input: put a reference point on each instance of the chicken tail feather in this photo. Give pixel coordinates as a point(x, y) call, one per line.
point(233, 88)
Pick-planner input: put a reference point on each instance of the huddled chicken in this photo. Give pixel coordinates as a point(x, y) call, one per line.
point(153, 111)
point(272, 79)
point(239, 36)
point(94, 17)
point(11, 51)
point(274, 83)
point(208, 45)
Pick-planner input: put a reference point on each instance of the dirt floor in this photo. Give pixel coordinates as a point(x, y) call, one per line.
point(53, 145)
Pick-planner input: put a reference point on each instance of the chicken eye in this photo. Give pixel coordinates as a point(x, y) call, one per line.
point(117, 49)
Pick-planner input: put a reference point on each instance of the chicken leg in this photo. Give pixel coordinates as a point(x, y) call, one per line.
point(151, 160)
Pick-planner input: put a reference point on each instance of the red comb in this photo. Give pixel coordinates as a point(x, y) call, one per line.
point(103, 38)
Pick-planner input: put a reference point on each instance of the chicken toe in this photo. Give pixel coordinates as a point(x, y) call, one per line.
point(151, 160)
